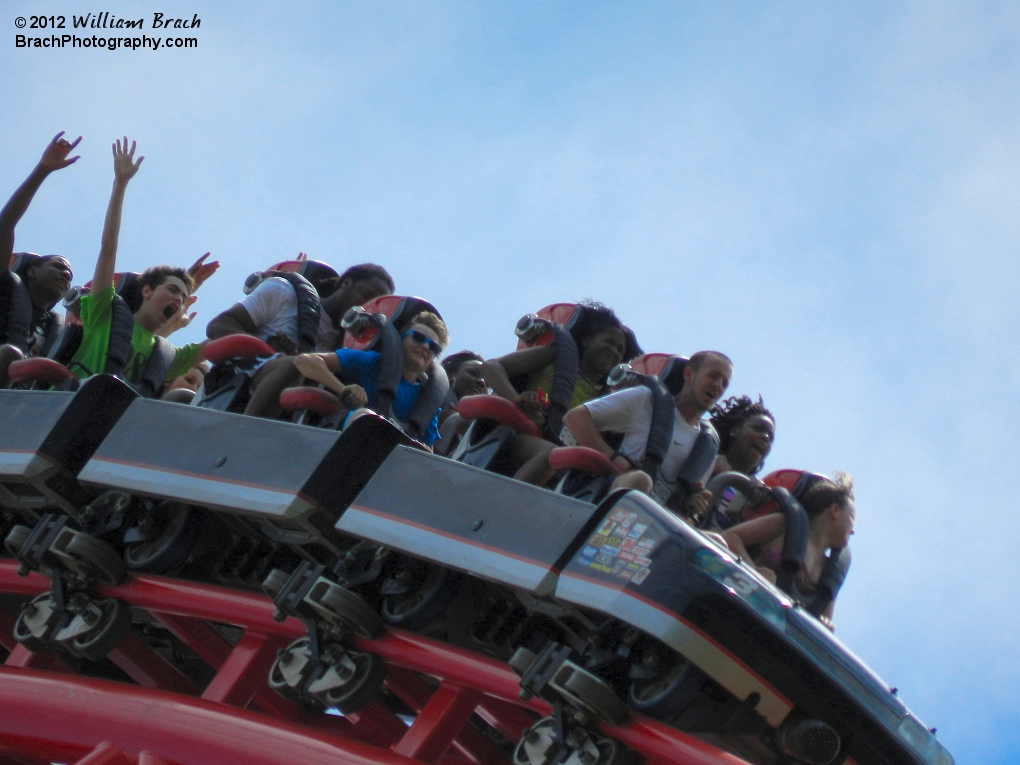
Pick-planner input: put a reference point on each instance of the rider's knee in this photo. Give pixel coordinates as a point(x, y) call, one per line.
point(634, 479)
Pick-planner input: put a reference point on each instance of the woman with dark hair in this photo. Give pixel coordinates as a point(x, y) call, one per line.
point(746, 431)
point(602, 343)
point(831, 511)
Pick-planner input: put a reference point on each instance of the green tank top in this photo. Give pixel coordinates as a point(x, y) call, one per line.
point(583, 389)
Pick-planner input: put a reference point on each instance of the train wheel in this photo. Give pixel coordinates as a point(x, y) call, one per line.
point(274, 582)
point(168, 545)
point(667, 693)
point(351, 610)
point(364, 681)
point(428, 589)
point(33, 621)
point(597, 695)
point(113, 623)
point(16, 539)
point(89, 557)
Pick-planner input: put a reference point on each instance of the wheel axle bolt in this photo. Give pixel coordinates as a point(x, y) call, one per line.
point(586, 758)
point(531, 736)
point(651, 660)
point(29, 609)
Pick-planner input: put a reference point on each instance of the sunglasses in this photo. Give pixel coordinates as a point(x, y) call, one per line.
point(422, 339)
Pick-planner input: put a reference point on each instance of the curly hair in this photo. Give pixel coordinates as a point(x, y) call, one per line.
point(598, 318)
point(729, 415)
point(433, 322)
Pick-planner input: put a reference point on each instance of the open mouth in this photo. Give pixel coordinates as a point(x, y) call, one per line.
point(169, 311)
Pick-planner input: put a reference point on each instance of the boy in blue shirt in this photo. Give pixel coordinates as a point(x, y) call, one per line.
point(422, 343)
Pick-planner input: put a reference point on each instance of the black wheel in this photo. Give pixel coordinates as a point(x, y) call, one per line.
point(431, 591)
point(612, 752)
point(169, 544)
point(107, 633)
point(89, 557)
point(364, 685)
point(354, 612)
point(274, 583)
point(23, 633)
point(277, 678)
point(16, 539)
point(669, 692)
point(598, 695)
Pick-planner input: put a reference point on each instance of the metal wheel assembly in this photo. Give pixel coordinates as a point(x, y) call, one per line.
point(540, 744)
point(417, 594)
point(88, 557)
point(338, 677)
point(166, 536)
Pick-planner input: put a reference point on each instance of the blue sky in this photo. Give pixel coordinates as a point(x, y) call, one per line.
point(827, 192)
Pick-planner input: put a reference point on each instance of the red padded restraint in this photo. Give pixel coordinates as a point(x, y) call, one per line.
point(236, 346)
point(317, 400)
point(582, 458)
point(46, 371)
point(498, 409)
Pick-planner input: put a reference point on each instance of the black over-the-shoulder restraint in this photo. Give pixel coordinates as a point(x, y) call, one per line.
point(795, 538)
point(119, 351)
point(660, 433)
point(15, 311)
point(391, 364)
point(698, 462)
point(565, 371)
point(833, 575)
point(160, 360)
point(429, 399)
point(309, 309)
point(122, 326)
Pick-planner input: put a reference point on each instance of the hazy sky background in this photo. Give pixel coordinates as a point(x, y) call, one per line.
point(827, 192)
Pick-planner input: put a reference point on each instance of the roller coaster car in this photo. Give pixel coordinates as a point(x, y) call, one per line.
point(246, 493)
point(596, 604)
point(46, 437)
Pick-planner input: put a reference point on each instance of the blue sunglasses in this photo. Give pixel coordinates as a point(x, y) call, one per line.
point(422, 339)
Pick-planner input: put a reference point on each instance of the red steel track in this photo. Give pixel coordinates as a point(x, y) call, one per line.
point(48, 714)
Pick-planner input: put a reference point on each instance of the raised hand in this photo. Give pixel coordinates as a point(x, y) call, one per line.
point(200, 270)
point(124, 165)
point(55, 156)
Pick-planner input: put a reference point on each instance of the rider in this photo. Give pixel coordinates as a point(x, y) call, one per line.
point(165, 292)
point(629, 412)
point(602, 342)
point(45, 279)
point(270, 312)
point(746, 431)
point(422, 342)
point(276, 322)
point(464, 371)
point(830, 507)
